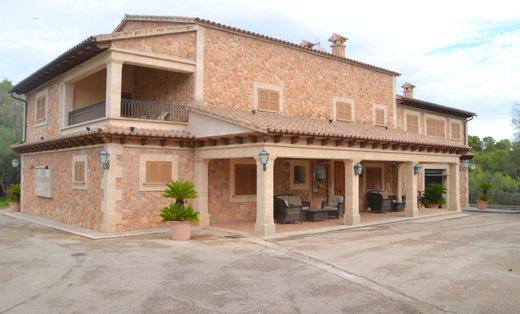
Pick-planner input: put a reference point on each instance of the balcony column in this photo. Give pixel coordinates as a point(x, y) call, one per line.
point(351, 216)
point(264, 225)
point(454, 187)
point(113, 92)
point(200, 179)
point(410, 179)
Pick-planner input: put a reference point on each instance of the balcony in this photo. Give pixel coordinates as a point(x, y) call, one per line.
point(133, 109)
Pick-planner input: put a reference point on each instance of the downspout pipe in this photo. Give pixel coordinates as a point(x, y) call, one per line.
point(24, 128)
point(466, 127)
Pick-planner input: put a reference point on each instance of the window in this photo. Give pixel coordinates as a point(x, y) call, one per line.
point(373, 178)
point(379, 115)
point(412, 123)
point(343, 111)
point(435, 127)
point(455, 131)
point(268, 100)
point(40, 116)
point(245, 179)
point(158, 172)
point(299, 175)
point(79, 172)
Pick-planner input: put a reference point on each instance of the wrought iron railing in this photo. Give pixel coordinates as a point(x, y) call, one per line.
point(151, 110)
point(88, 113)
point(503, 199)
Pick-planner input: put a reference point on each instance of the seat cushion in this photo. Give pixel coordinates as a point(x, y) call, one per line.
point(294, 201)
point(285, 198)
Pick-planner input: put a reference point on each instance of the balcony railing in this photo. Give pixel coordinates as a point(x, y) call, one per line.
point(88, 113)
point(151, 110)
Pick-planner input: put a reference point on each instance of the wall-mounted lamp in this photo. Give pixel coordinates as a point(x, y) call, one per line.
point(104, 157)
point(358, 169)
point(132, 128)
point(472, 166)
point(15, 163)
point(264, 158)
point(417, 169)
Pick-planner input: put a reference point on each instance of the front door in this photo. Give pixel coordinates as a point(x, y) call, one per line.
point(339, 178)
point(373, 178)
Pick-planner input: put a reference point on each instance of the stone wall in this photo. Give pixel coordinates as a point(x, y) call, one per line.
point(232, 63)
point(52, 127)
point(180, 45)
point(80, 208)
point(163, 86)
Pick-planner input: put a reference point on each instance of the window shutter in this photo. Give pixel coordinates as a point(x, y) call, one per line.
point(343, 111)
point(268, 100)
point(380, 116)
point(158, 172)
point(435, 127)
point(245, 179)
point(79, 172)
point(412, 123)
point(41, 103)
point(455, 131)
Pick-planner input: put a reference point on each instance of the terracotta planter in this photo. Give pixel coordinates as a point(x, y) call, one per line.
point(482, 205)
point(432, 206)
point(181, 230)
point(14, 207)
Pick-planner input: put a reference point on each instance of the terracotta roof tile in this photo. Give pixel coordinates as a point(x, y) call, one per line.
point(268, 122)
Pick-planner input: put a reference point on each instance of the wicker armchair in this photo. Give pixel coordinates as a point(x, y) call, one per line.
point(289, 208)
point(334, 205)
point(377, 202)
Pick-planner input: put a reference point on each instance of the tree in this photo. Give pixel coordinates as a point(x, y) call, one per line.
point(475, 143)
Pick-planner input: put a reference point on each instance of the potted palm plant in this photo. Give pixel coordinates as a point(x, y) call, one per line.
point(14, 197)
point(178, 214)
point(483, 199)
point(433, 196)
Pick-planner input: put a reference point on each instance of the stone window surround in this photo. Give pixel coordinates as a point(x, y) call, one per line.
point(374, 107)
point(431, 116)
point(460, 130)
point(43, 93)
point(143, 158)
point(80, 185)
point(347, 100)
point(267, 86)
point(414, 113)
point(238, 198)
point(299, 186)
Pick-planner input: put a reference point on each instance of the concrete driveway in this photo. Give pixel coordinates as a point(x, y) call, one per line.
point(455, 265)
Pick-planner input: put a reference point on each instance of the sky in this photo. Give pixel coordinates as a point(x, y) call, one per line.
point(464, 54)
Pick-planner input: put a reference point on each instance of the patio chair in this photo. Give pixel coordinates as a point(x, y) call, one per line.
point(289, 208)
point(377, 202)
point(334, 205)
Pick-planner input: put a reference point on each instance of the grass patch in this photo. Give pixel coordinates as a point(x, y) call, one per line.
point(3, 201)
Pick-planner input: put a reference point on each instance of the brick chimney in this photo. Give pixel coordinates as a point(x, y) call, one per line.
point(337, 43)
point(408, 90)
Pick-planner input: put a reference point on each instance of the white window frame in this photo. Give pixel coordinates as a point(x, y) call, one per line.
point(461, 136)
point(374, 107)
point(431, 116)
point(38, 95)
point(239, 198)
point(299, 186)
point(347, 100)
point(271, 87)
point(413, 113)
point(80, 185)
point(152, 187)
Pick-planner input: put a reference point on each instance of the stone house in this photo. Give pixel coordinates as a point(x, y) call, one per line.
point(176, 98)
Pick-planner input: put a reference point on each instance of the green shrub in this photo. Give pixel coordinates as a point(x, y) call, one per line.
point(484, 188)
point(179, 212)
point(180, 190)
point(14, 192)
point(434, 194)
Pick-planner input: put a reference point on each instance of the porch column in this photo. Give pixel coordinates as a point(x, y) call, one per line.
point(332, 188)
point(264, 225)
point(453, 187)
point(351, 216)
point(411, 209)
point(113, 92)
point(400, 182)
point(200, 180)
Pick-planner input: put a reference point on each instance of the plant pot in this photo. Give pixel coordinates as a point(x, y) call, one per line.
point(181, 230)
point(14, 207)
point(432, 206)
point(482, 205)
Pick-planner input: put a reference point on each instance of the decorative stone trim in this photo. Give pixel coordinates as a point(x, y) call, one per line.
point(299, 186)
point(143, 159)
point(350, 101)
point(79, 185)
point(267, 86)
point(239, 198)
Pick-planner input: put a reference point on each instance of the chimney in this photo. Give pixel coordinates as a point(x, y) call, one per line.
point(338, 45)
point(408, 90)
point(306, 44)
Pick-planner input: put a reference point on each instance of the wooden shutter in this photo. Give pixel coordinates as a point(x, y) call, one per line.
point(343, 111)
point(158, 172)
point(79, 172)
point(435, 127)
point(380, 116)
point(268, 100)
point(373, 178)
point(245, 179)
point(41, 104)
point(455, 131)
point(412, 123)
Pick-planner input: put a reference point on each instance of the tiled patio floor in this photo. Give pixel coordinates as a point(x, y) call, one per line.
point(367, 218)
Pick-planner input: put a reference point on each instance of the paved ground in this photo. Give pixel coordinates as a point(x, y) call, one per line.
point(400, 268)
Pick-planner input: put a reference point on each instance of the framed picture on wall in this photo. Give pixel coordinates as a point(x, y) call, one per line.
point(319, 180)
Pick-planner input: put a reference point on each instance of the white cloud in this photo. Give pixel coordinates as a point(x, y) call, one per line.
point(459, 53)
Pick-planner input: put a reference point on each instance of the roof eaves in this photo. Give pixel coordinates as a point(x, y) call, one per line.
point(423, 104)
point(211, 114)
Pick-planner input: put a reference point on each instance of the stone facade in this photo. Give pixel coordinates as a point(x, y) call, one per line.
point(76, 207)
point(180, 45)
point(52, 127)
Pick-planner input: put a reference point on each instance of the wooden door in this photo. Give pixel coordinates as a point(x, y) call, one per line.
point(373, 178)
point(339, 178)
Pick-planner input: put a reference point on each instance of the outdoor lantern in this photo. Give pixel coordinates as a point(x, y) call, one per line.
point(465, 165)
point(104, 157)
point(264, 158)
point(15, 163)
point(472, 166)
point(358, 169)
point(417, 169)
